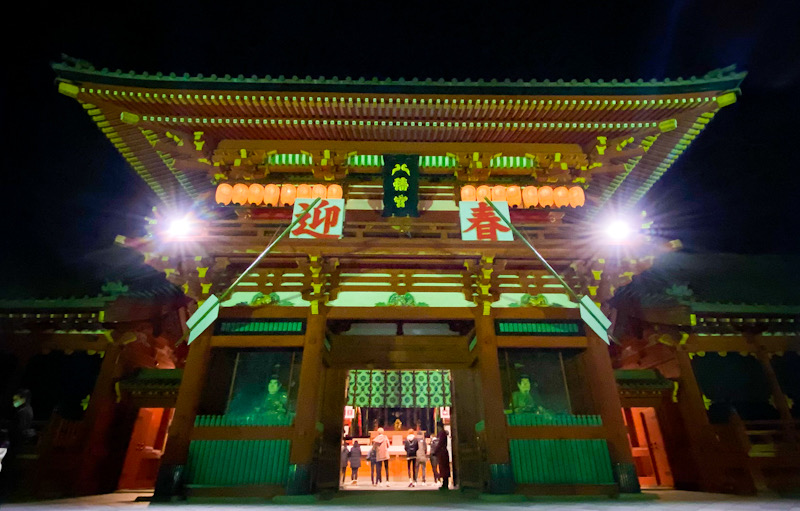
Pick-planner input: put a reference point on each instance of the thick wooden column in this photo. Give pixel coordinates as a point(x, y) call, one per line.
point(496, 436)
point(308, 405)
point(703, 443)
point(331, 417)
point(605, 394)
point(468, 445)
point(92, 475)
point(778, 397)
point(176, 452)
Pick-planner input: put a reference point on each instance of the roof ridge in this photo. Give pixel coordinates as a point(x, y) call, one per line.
point(71, 65)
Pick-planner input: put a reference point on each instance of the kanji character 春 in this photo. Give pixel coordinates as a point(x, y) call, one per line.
point(485, 222)
point(400, 184)
point(324, 215)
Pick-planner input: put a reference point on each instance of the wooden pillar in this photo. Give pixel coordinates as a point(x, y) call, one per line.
point(93, 471)
point(176, 452)
point(468, 445)
point(332, 418)
point(605, 395)
point(308, 403)
point(778, 397)
point(496, 436)
point(702, 440)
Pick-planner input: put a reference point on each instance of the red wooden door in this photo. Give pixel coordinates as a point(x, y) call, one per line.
point(143, 457)
point(647, 447)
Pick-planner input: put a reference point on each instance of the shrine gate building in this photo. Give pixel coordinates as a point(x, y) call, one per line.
point(401, 300)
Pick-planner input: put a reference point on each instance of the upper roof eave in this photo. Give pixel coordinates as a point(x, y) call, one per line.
point(718, 80)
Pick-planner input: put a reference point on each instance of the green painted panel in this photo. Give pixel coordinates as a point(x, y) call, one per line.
point(290, 159)
point(260, 327)
point(238, 462)
point(539, 328)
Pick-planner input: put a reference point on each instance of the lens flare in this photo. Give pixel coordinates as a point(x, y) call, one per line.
point(618, 230)
point(179, 228)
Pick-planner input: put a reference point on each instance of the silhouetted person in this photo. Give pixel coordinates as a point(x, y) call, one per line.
point(23, 419)
point(442, 456)
point(411, 445)
point(434, 459)
point(382, 454)
point(355, 462)
point(345, 455)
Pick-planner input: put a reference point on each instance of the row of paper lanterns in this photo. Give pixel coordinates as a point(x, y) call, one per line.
point(528, 196)
point(274, 195)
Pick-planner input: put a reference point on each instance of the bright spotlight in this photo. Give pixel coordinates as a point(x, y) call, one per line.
point(618, 230)
point(179, 228)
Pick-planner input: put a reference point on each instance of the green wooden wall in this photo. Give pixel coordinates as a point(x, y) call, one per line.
point(561, 462)
point(238, 462)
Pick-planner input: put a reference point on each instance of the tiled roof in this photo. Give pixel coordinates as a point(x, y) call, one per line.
point(721, 283)
point(162, 289)
point(719, 79)
point(641, 379)
point(153, 380)
point(136, 110)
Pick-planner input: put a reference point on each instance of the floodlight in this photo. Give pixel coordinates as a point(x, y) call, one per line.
point(179, 228)
point(618, 230)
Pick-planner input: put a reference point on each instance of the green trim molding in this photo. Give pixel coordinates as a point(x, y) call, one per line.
point(260, 327)
point(536, 328)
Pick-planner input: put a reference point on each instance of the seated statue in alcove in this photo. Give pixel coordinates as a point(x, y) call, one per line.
point(527, 399)
point(276, 400)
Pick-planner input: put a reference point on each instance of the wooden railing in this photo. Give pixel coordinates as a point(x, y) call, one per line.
point(768, 438)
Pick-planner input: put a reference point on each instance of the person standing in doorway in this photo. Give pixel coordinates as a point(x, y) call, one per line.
point(344, 456)
point(372, 458)
point(442, 456)
point(434, 460)
point(355, 462)
point(422, 457)
point(382, 454)
point(411, 445)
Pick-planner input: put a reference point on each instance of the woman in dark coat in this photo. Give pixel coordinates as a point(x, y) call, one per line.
point(355, 462)
point(442, 456)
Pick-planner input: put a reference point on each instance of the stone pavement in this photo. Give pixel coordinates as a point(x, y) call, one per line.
point(652, 501)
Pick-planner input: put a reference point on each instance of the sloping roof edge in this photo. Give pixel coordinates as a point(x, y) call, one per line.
point(82, 71)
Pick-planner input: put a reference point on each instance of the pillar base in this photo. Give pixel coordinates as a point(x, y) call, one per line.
point(625, 475)
point(501, 478)
point(300, 478)
point(169, 483)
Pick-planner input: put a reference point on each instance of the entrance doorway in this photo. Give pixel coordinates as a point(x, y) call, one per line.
point(143, 457)
point(399, 409)
point(647, 447)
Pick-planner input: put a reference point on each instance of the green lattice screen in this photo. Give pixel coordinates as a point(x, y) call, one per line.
point(399, 389)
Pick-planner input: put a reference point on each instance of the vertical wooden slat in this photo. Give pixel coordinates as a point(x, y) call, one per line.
point(259, 467)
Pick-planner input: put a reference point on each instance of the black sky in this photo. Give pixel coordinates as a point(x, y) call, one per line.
point(67, 193)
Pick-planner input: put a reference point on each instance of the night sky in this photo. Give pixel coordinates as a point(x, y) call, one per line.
point(67, 192)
